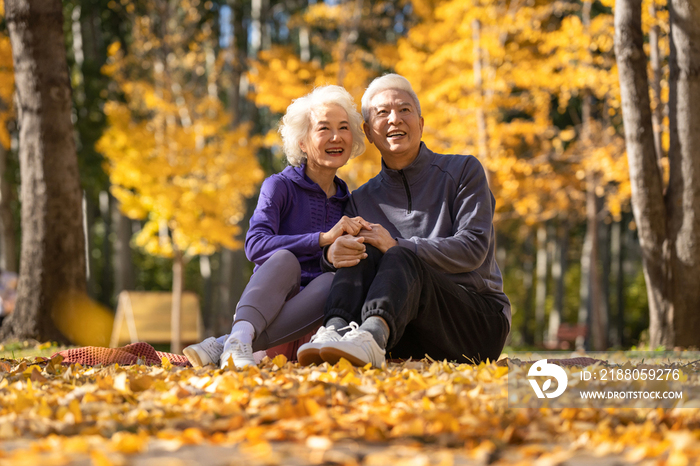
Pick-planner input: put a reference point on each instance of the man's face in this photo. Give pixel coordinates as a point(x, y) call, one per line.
point(395, 127)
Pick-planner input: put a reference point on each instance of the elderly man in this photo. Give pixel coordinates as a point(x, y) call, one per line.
point(424, 279)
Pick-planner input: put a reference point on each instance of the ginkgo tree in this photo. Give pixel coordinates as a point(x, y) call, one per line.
point(344, 41)
point(666, 208)
point(580, 63)
point(490, 89)
point(281, 69)
point(174, 157)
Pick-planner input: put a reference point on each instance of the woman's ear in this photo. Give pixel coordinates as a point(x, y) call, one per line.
point(302, 146)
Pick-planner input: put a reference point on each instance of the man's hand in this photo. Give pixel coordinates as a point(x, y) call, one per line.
point(345, 225)
point(378, 237)
point(346, 251)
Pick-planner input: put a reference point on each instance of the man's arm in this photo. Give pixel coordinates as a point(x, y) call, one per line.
point(469, 244)
point(379, 237)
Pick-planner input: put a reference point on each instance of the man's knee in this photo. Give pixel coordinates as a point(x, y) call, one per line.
point(401, 255)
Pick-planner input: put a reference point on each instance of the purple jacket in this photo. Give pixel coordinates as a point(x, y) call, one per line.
point(292, 210)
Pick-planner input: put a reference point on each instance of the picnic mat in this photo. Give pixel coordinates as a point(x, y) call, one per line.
point(135, 353)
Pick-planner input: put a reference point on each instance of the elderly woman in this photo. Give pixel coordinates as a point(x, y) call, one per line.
point(299, 212)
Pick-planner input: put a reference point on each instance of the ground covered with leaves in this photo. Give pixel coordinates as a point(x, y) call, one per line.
point(412, 413)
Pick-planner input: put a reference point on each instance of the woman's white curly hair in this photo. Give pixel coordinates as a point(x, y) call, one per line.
point(295, 124)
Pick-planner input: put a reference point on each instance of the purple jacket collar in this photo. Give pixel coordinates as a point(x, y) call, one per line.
point(298, 176)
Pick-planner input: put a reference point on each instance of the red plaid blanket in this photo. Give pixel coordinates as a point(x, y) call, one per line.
point(129, 354)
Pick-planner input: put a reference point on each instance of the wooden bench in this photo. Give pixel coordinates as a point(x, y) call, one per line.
point(568, 333)
point(145, 316)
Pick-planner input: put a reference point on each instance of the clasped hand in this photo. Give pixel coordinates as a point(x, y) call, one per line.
point(348, 250)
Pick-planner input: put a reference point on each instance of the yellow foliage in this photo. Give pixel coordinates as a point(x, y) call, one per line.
point(106, 412)
point(7, 85)
point(173, 155)
point(497, 70)
point(278, 76)
point(487, 89)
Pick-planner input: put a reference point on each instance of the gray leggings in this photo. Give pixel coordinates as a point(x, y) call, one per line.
point(273, 304)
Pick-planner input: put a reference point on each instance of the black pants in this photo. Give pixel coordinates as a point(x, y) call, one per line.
point(426, 312)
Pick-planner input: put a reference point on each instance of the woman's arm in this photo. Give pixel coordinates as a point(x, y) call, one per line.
point(263, 238)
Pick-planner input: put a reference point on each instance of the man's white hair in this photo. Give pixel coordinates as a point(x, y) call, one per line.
point(296, 122)
point(383, 83)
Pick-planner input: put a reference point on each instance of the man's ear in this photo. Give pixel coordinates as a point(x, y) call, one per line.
point(365, 127)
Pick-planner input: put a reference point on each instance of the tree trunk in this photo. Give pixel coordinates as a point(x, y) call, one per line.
point(559, 265)
point(231, 282)
point(237, 55)
point(8, 238)
point(645, 178)
point(616, 271)
point(304, 44)
point(349, 33)
point(256, 25)
point(482, 129)
point(604, 254)
point(527, 284)
point(106, 272)
point(655, 56)
point(88, 219)
point(207, 295)
point(541, 287)
point(594, 315)
point(684, 160)
point(53, 247)
point(584, 287)
point(176, 312)
point(226, 304)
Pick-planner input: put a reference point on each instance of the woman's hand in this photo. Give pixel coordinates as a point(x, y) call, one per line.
point(345, 225)
point(347, 251)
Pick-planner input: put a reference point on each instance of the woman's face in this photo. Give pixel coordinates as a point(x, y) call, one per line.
point(329, 142)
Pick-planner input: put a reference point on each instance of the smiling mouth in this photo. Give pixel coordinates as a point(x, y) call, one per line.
point(334, 151)
point(395, 134)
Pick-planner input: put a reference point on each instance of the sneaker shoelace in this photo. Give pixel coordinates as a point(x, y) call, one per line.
point(354, 330)
point(239, 349)
point(212, 348)
point(325, 334)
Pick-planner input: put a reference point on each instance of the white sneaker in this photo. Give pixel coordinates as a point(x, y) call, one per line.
point(308, 353)
point(240, 353)
point(357, 346)
point(206, 352)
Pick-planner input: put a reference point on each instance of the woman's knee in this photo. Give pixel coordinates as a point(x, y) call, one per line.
point(284, 259)
point(282, 269)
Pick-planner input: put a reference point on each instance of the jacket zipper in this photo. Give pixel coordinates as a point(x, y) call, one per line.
point(408, 191)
